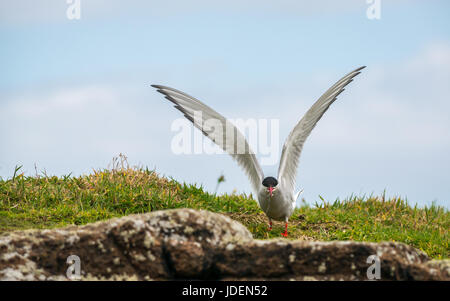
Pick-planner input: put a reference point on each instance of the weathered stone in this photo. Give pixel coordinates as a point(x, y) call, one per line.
point(190, 244)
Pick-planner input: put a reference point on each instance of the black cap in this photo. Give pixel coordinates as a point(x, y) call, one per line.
point(270, 182)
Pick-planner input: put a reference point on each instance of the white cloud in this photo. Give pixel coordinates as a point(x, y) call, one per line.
point(75, 129)
point(71, 100)
point(404, 104)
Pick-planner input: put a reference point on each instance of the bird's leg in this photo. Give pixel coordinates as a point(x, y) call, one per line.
point(270, 225)
point(285, 234)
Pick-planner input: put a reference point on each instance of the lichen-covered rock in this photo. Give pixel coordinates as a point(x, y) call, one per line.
point(441, 265)
point(190, 244)
point(339, 260)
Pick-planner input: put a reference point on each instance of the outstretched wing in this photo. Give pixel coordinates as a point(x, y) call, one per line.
point(293, 146)
point(234, 143)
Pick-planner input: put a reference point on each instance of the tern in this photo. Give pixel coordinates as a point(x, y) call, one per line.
point(275, 196)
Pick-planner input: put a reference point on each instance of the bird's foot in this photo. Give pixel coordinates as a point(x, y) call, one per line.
point(270, 226)
point(285, 233)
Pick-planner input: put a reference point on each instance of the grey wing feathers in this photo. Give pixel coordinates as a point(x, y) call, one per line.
point(293, 146)
point(188, 105)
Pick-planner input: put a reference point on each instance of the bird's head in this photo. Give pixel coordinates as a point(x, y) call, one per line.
point(271, 184)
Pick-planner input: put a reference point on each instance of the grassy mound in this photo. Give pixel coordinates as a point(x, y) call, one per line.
point(47, 202)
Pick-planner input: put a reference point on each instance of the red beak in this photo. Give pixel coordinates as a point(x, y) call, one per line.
point(270, 190)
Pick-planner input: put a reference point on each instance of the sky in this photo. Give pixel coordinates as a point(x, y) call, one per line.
point(74, 93)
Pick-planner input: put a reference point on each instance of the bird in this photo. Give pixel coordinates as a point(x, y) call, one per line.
point(276, 196)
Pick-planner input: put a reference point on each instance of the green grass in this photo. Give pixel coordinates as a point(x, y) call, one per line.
point(46, 202)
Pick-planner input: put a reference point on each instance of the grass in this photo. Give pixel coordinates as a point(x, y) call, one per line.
point(43, 201)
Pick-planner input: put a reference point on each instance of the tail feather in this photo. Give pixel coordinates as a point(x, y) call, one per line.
point(297, 195)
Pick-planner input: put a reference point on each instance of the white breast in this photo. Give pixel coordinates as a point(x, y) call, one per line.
point(278, 207)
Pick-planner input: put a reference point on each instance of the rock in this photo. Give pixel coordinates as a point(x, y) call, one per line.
point(441, 265)
point(190, 244)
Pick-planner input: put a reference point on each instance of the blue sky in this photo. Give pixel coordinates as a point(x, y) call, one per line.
point(75, 93)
